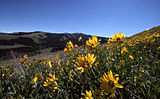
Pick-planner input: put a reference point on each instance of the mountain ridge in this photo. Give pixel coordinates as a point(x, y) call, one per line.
point(27, 42)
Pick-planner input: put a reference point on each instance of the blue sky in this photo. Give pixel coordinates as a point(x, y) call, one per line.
point(95, 17)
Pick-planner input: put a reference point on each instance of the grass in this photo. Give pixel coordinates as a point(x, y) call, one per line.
point(11, 46)
point(85, 71)
point(37, 37)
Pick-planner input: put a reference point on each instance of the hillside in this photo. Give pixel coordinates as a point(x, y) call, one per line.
point(121, 68)
point(148, 32)
point(33, 42)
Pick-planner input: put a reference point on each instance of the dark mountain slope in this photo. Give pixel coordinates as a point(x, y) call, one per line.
point(28, 42)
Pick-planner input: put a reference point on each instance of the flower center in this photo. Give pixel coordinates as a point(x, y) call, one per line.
point(111, 84)
point(118, 39)
point(92, 44)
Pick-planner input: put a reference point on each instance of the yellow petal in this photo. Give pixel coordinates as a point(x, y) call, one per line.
point(35, 79)
point(45, 84)
point(118, 86)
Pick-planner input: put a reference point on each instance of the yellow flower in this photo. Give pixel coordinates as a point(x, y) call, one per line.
point(11, 74)
point(131, 57)
point(44, 62)
point(67, 64)
point(76, 46)
point(109, 83)
point(69, 47)
point(85, 62)
point(59, 62)
point(142, 70)
point(122, 44)
point(80, 38)
point(153, 40)
point(22, 61)
point(50, 80)
point(25, 56)
point(92, 43)
point(27, 63)
point(50, 64)
point(2, 67)
point(65, 50)
point(51, 83)
point(135, 77)
point(117, 38)
point(121, 61)
point(87, 95)
point(54, 87)
point(97, 63)
point(156, 34)
point(36, 78)
point(61, 70)
point(124, 50)
point(106, 58)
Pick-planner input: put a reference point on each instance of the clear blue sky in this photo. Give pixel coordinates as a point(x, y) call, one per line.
point(95, 17)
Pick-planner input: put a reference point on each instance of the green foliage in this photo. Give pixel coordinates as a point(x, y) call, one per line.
point(140, 76)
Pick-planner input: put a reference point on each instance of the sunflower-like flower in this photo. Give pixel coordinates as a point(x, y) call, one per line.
point(51, 83)
point(80, 38)
point(117, 38)
point(131, 57)
point(85, 62)
point(50, 64)
point(11, 74)
point(109, 83)
point(65, 50)
point(36, 78)
point(69, 47)
point(67, 63)
point(92, 43)
point(54, 87)
point(124, 51)
point(156, 34)
point(87, 95)
point(76, 46)
point(25, 56)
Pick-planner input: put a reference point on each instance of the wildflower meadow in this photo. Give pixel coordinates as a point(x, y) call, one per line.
point(123, 68)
